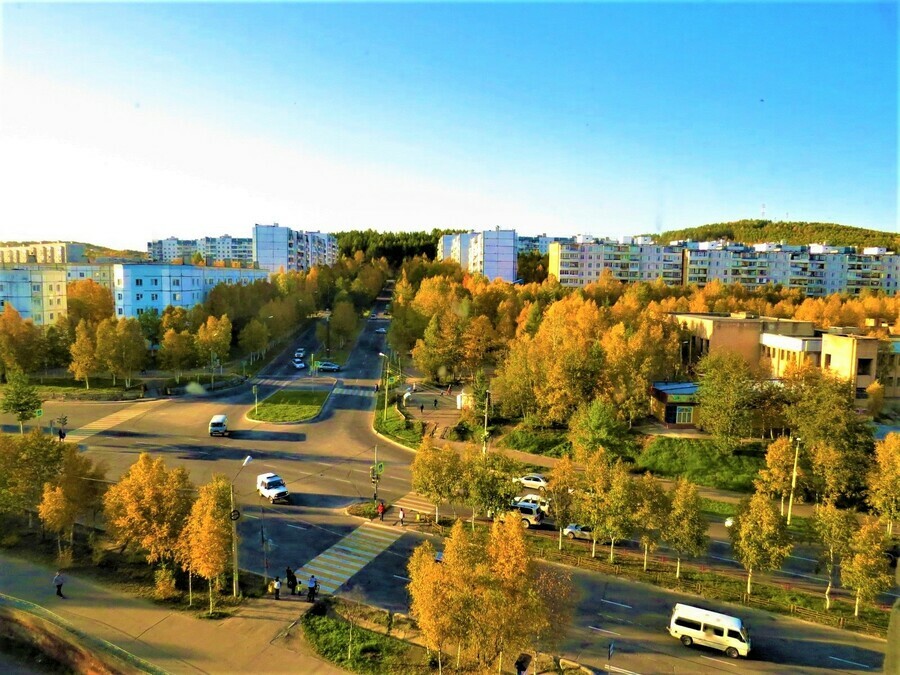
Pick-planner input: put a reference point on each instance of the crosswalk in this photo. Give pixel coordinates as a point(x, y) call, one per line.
point(97, 426)
point(334, 567)
point(366, 393)
point(412, 503)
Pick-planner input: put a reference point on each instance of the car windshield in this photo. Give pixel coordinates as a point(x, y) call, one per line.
point(275, 483)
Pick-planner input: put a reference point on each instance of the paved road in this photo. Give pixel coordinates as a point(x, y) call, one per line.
point(326, 466)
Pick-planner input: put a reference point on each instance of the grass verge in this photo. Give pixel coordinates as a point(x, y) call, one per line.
point(395, 426)
point(290, 406)
point(701, 462)
point(548, 442)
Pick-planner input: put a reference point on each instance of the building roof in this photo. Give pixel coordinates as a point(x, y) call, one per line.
point(681, 388)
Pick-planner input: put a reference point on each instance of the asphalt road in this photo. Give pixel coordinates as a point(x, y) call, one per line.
point(326, 463)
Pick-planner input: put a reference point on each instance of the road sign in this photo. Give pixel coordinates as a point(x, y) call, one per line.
point(255, 389)
point(39, 413)
point(379, 468)
point(234, 515)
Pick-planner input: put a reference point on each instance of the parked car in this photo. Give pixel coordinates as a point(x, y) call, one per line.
point(381, 330)
point(541, 502)
point(531, 515)
point(272, 487)
point(574, 531)
point(328, 367)
point(300, 353)
point(533, 481)
point(299, 364)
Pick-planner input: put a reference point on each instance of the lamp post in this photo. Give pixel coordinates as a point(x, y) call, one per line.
point(384, 373)
point(793, 478)
point(235, 514)
point(487, 396)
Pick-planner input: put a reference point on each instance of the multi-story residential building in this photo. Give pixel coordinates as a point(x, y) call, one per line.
point(540, 243)
point(140, 287)
point(277, 248)
point(494, 254)
point(444, 246)
point(225, 247)
point(35, 293)
point(42, 253)
point(578, 264)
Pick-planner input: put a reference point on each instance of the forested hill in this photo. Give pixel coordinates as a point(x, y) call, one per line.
point(759, 231)
point(395, 246)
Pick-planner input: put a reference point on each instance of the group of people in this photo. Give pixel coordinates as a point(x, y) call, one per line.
point(312, 585)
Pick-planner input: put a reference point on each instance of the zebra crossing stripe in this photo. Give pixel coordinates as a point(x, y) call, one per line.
point(337, 565)
point(110, 421)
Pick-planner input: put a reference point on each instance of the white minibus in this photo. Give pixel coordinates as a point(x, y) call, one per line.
point(710, 629)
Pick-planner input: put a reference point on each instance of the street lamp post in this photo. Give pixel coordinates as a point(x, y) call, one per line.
point(793, 478)
point(487, 396)
point(235, 514)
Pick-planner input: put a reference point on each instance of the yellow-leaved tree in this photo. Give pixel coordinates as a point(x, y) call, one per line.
point(207, 534)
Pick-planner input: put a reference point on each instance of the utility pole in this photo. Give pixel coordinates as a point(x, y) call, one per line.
point(487, 395)
point(793, 478)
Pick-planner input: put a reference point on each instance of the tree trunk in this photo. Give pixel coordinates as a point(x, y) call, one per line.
point(612, 557)
point(190, 589)
point(560, 539)
point(593, 548)
point(87, 382)
point(350, 641)
point(856, 605)
point(473, 520)
point(749, 579)
point(210, 597)
point(646, 553)
point(440, 664)
point(437, 515)
point(828, 594)
point(59, 545)
point(114, 378)
point(458, 653)
point(782, 503)
point(72, 535)
point(677, 568)
point(21, 427)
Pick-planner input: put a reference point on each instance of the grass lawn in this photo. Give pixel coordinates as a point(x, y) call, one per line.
point(701, 462)
point(548, 442)
point(395, 426)
point(289, 406)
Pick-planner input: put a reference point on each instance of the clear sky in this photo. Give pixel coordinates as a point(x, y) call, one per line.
point(121, 123)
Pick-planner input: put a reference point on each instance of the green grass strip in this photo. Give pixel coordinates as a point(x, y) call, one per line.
point(289, 406)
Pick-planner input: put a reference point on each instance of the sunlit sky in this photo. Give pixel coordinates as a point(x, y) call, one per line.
point(121, 123)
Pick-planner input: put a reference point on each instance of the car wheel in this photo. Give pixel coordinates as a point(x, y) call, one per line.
point(271, 500)
point(686, 640)
point(731, 653)
point(542, 488)
point(570, 535)
point(525, 524)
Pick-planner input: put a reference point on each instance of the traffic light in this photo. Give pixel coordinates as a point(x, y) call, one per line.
point(373, 475)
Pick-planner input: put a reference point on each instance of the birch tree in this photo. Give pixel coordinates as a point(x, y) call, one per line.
point(651, 513)
point(865, 568)
point(833, 528)
point(884, 481)
point(759, 536)
point(84, 359)
point(686, 531)
point(562, 484)
point(207, 531)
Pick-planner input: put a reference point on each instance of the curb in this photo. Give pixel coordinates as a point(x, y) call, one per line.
point(247, 417)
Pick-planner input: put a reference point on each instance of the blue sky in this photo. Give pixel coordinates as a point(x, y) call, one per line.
point(120, 123)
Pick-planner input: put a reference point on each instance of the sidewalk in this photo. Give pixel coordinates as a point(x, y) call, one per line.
point(252, 640)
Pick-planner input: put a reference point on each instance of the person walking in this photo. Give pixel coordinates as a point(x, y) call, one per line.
point(435, 403)
point(291, 580)
point(311, 587)
point(402, 516)
point(380, 510)
point(277, 588)
point(58, 581)
point(422, 408)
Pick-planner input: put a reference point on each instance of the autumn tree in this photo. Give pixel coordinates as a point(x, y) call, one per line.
point(131, 348)
point(20, 342)
point(590, 504)
point(595, 427)
point(478, 342)
point(865, 567)
point(86, 300)
point(20, 398)
point(207, 531)
point(884, 481)
point(76, 492)
point(84, 358)
point(487, 482)
point(759, 536)
point(686, 531)
point(651, 513)
point(431, 595)
point(151, 324)
point(254, 339)
point(436, 474)
point(439, 351)
point(36, 459)
point(563, 481)
point(214, 339)
point(775, 478)
point(724, 395)
point(177, 352)
point(833, 528)
point(875, 398)
point(106, 345)
point(617, 507)
point(344, 320)
point(147, 509)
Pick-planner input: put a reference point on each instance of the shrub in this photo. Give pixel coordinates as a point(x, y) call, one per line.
point(164, 587)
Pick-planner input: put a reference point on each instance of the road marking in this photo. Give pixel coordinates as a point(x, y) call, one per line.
point(709, 658)
point(247, 515)
point(296, 527)
point(342, 480)
point(603, 630)
point(397, 576)
point(852, 663)
point(617, 604)
point(616, 669)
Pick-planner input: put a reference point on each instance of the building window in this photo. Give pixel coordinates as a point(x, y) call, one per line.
point(827, 362)
point(120, 311)
point(81, 275)
point(154, 296)
point(35, 287)
point(176, 282)
point(138, 282)
point(154, 282)
point(139, 296)
point(51, 316)
point(175, 297)
point(140, 311)
point(120, 296)
point(864, 367)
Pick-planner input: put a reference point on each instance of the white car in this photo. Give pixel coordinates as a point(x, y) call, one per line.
point(381, 330)
point(533, 481)
point(272, 487)
point(300, 353)
point(299, 365)
point(535, 500)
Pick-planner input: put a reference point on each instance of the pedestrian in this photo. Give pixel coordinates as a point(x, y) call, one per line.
point(291, 580)
point(277, 587)
point(449, 387)
point(414, 387)
point(58, 581)
point(380, 510)
point(311, 587)
point(422, 408)
point(376, 387)
point(62, 435)
point(435, 403)
point(402, 516)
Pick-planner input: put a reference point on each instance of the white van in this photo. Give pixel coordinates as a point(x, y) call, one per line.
point(710, 629)
point(218, 425)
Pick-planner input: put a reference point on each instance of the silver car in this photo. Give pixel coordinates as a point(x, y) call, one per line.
point(574, 531)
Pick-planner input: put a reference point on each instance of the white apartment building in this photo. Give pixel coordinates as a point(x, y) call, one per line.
point(494, 253)
point(225, 247)
point(578, 264)
point(277, 248)
point(540, 243)
point(445, 246)
point(139, 287)
point(36, 293)
point(42, 252)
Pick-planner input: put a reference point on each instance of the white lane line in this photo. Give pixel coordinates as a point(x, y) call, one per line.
point(617, 604)
point(397, 576)
point(852, 663)
point(296, 527)
point(616, 669)
point(342, 480)
point(709, 658)
point(247, 515)
point(800, 557)
point(603, 630)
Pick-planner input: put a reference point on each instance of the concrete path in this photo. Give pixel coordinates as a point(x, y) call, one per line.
point(175, 641)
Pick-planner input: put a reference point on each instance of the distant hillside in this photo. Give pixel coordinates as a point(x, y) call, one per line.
point(92, 251)
point(759, 231)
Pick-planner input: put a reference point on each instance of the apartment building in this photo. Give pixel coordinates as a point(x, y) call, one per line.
point(42, 253)
point(277, 248)
point(539, 244)
point(140, 287)
point(225, 247)
point(494, 254)
point(36, 293)
point(578, 264)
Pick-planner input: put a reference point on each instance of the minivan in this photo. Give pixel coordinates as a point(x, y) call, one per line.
point(710, 629)
point(218, 425)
